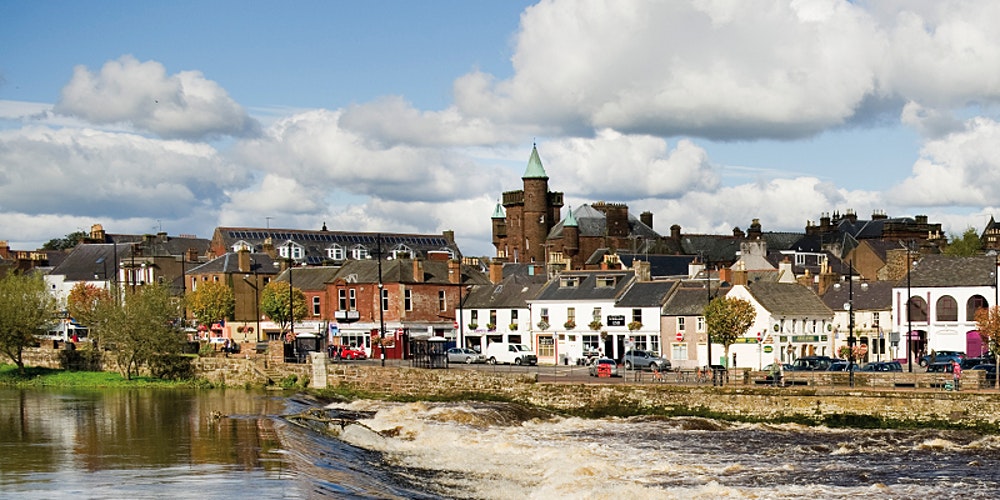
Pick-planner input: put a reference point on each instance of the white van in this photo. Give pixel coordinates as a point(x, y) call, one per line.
point(506, 353)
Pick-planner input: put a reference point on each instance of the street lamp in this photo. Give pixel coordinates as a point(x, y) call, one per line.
point(849, 306)
point(381, 309)
point(909, 320)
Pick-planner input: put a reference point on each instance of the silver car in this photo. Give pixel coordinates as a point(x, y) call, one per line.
point(611, 365)
point(645, 360)
point(467, 356)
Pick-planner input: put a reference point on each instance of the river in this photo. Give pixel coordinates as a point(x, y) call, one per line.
point(232, 443)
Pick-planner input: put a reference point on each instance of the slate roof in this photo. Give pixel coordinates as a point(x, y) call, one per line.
point(587, 289)
point(713, 248)
point(646, 294)
point(90, 259)
point(512, 293)
point(592, 222)
point(316, 243)
point(790, 299)
point(948, 271)
point(401, 271)
point(877, 296)
point(260, 263)
point(660, 266)
point(687, 300)
point(310, 278)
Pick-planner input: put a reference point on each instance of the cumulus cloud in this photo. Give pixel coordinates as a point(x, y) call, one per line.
point(314, 149)
point(962, 168)
point(101, 174)
point(613, 166)
point(184, 105)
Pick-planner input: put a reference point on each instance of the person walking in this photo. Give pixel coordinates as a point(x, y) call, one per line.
point(956, 374)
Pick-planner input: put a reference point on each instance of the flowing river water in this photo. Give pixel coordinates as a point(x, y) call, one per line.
point(231, 443)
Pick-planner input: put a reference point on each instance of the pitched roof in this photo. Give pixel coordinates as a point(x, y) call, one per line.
point(660, 266)
point(401, 271)
point(868, 296)
point(587, 287)
point(790, 299)
point(260, 263)
point(687, 300)
point(592, 222)
point(646, 294)
point(511, 293)
point(91, 261)
point(948, 271)
point(310, 278)
point(534, 169)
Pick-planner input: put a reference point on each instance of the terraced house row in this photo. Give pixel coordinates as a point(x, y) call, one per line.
point(571, 282)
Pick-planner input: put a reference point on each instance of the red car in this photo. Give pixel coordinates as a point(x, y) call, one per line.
point(352, 353)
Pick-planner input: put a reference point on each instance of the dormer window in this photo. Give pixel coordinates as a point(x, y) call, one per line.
point(569, 281)
point(240, 245)
point(336, 252)
point(402, 252)
point(291, 250)
point(360, 252)
point(607, 281)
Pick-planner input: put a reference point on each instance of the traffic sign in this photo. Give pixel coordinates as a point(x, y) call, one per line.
point(680, 336)
point(759, 336)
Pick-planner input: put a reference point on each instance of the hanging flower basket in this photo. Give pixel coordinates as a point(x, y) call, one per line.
point(633, 326)
point(570, 324)
point(596, 325)
point(543, 325)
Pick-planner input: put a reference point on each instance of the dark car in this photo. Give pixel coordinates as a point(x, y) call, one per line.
point(941, 356)
point(842, 366)
point(813, 363)
point(939, 367)
point(882, 366)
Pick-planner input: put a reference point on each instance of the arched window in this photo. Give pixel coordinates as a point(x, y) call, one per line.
point(946, 309)
point(917, 309)
point(975, 303)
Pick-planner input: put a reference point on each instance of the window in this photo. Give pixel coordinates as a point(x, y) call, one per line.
point(291, 250)
point(474, 316)
point(974, 304)
point(571, 314)
point(637, 315)
point(569, 282)
point(597, 314)
point(800, 259)
point(359, 253)
point(336, 252)
point(385, 299)
point(316, 306)
point(679, 351)
point(680, 324)
point(353, 303)
point(701, 324)
point(546, 346)
point(947, 309)
point(606, 281)
point(590, 343)
point(408, 299)
point(654, 343)
point(918, 309)
point(401, 252)
point(342, 299)
point(493, 317)
point(545, 314)
point(442, 302)
point(876, 320)
point(513, 316)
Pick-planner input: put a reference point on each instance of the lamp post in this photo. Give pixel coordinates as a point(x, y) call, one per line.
point(256, 299)
point(909, 320)
point(381, 309)
point(291, 303)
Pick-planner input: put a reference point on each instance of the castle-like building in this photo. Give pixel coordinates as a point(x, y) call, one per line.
point(522, 224)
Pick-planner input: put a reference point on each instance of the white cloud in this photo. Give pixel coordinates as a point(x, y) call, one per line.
point(184, 105)
point(962, 168)
point(101, 174)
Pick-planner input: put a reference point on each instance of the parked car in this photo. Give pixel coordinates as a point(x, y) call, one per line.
point(939, 356)
point(464, 355)
point(813, 363)
point(990, 369)
point(784, 367)
point(968, 363)
point(518, 354)
point(882, 366)
point(842, 366)
point(645, 360)
point(610, 363)
point(352, 353)
point(939, 367)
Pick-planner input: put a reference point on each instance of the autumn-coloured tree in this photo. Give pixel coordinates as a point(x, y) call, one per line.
point(26, 309)
point(138, 328)
point(728, 319)
point(988, 323)
point(211, 302)
point(83, 300)
point(274, 302)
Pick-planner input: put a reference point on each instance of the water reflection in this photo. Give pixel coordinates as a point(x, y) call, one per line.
point(56, 440)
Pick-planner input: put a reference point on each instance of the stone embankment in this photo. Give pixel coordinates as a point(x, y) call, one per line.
point(872, 405)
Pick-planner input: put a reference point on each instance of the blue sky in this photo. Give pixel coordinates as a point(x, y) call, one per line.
point(416, 116)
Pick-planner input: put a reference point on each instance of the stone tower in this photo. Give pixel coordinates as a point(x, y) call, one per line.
point(521, 227)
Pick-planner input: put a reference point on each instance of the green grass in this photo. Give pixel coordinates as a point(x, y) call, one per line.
point(48, 377)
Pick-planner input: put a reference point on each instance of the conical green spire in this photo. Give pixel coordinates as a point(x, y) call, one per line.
point(534, 170)
point(570, 221)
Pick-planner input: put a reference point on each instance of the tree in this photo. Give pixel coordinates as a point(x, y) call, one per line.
point(83, 300)
point(988, 324)
point(26, 309)
point(140, 327)
point(967, 245)
point(274, 302)
point(728, 319)
point(71, 240)
point(212, 302)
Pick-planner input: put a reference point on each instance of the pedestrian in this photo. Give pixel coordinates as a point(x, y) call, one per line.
point(956, 374)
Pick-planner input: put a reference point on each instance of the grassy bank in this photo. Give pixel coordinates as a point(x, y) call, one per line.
point(47, 377)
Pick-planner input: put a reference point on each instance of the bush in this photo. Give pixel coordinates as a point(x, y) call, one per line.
point(171, 367)
point(86, 359)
